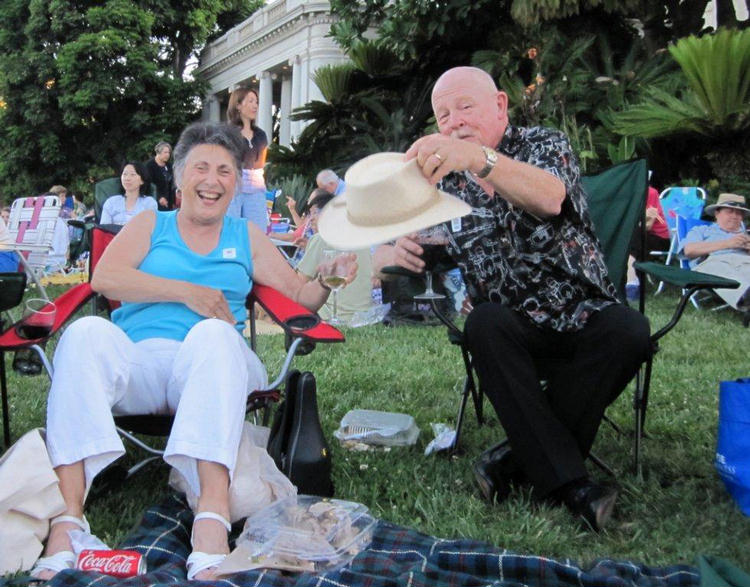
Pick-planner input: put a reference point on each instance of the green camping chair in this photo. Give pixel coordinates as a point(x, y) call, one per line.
point(617, 198)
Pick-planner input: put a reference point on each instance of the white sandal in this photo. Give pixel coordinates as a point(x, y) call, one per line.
point(200, 561)
point(65, 559)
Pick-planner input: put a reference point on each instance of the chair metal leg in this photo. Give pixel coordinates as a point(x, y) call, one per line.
point(601, 464)
point(460, 418)
point(6, 415)
point(43, 357)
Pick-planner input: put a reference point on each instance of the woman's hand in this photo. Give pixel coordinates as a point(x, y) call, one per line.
point(208, 302)
point(346, 264)
point(291, 203)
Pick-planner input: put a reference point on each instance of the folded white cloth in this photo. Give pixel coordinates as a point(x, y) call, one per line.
point(29, 497)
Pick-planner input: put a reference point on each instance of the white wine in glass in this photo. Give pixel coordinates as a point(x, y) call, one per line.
point(335, 266)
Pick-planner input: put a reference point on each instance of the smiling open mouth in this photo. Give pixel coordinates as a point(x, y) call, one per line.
point(208, 196)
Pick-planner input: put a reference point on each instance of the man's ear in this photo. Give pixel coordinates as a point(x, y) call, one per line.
point(502, 105)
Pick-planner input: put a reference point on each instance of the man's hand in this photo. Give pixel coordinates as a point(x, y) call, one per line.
point(738, 241)
point(438, 155)
point(408, 254)
point(208, 302)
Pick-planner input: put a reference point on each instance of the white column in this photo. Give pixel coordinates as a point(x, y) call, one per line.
point(295, 127)
point(265, 106)
point(285, 111)
point(211, 109)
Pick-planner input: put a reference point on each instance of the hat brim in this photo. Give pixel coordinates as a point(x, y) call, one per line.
point(339, 232)
point(714, 207)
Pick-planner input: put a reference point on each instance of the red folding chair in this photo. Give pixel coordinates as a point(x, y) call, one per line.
point(302, 328)
point(67, 304)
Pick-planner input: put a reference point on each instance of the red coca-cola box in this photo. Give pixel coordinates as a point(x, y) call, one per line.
point(116, 563)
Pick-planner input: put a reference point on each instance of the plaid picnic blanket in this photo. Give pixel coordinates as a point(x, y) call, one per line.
point(398, 556)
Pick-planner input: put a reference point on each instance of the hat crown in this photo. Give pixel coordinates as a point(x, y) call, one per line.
point(385, 197)
point(730, 200)
point(384, 188)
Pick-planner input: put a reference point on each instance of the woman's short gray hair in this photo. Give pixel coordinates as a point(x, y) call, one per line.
point(210, 133)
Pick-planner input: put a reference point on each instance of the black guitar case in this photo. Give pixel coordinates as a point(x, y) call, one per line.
point(297, 444)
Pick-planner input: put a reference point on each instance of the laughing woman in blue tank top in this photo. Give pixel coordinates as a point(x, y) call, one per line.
point(174, 347)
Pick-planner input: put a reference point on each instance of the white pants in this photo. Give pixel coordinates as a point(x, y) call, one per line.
point(732, 266)
point(204, 381)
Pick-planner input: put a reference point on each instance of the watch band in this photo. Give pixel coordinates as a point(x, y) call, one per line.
point(490, 160)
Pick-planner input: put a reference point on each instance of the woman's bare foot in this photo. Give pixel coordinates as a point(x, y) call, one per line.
point(209, 536)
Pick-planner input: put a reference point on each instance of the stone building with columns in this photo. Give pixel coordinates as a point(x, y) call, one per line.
point(276, 51)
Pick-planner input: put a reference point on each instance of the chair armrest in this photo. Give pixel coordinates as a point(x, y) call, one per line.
point(294, 318)
point(685, 278)
point(67, 304)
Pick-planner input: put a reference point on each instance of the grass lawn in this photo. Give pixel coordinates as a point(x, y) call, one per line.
point(676, 511)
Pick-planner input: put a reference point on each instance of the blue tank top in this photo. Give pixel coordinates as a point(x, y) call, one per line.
point(228, 268)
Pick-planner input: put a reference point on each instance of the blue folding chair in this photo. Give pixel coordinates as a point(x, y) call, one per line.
point(687, 202)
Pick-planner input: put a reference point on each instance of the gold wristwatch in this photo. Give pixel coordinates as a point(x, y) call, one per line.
point(490, 160)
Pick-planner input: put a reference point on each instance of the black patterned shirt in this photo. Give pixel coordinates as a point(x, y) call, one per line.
point(552, 270)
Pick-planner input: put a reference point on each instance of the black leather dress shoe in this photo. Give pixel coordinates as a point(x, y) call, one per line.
point(495, 472)
point(27, 362)
point(591, 501)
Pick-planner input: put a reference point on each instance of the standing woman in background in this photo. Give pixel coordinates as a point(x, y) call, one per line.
point(250, 202)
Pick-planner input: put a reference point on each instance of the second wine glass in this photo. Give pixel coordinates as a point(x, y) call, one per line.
point(334, 269)
point(433, 241)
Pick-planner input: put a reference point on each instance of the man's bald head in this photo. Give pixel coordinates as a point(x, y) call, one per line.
point(468, 106)
point(463, 76)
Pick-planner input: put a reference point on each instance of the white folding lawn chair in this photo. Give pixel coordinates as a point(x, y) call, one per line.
point(32, 230)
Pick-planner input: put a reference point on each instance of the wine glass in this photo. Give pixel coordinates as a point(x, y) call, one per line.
point(334, 269)
point(38, 319)
point(433, 241)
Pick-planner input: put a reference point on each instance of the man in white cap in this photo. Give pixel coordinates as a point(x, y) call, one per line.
point(723, 248)
point(544, 308)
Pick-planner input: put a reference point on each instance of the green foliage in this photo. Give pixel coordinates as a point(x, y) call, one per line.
point(89, 84)
point(717, 68)
point(334, 81)
point(371, 57)
point(296, 186)
point(527, 12)
point(716, 104)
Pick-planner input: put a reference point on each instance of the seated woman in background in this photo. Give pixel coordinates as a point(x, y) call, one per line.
point(120, 209)
point(355, 297)
point(174, 347)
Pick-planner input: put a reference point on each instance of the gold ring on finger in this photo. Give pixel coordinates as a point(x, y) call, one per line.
point(437, 155)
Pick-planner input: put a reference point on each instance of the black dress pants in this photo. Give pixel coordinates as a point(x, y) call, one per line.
point(551, 429)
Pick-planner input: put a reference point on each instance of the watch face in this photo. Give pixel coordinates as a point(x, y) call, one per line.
point(490, 159)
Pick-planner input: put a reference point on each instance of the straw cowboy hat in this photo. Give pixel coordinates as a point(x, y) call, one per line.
point(385, 197)
point(734, 201)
